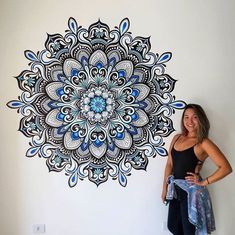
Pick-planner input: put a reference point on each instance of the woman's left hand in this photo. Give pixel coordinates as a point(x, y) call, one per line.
point(194, 178)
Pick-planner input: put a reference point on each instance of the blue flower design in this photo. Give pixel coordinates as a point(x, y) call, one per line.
point(96, 102)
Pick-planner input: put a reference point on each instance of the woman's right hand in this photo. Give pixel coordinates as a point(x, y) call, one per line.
point(164, 191)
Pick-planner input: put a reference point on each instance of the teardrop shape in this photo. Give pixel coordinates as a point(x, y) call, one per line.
point(30, 55)
point(161, 151)
point(32, 151)
point(124, 26)
point(179, 104)
point(15, 104)
point(73, 25)
point(122, 179)
point(164, 57)
point(73, 179)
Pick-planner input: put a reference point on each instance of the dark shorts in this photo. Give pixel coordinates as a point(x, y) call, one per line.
point(178, 222)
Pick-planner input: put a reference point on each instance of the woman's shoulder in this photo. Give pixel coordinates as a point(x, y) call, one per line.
point(177, 135)
point(207, 142)
point(175, 138)
point(207, 145)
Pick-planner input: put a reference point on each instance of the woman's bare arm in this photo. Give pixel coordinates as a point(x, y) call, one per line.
point(223, 166)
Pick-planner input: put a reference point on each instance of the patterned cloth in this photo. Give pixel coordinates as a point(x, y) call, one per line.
point(200, 211)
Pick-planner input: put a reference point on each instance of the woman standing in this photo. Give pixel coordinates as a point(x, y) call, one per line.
point(187, 153)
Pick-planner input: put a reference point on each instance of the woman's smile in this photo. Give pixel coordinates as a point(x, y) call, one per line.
point(190, 120)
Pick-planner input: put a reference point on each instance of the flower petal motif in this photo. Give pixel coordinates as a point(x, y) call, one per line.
point(54, 118)
point(141, 90)
point(98, 58)
point(71, 67)
point(54, 90)
point(141, 119)
point(123, 140)
point(71, 141)
point(98, 151)
point(96, 102)
point(125, 68)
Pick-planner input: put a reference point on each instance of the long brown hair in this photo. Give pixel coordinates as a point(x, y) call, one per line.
point(204, 124)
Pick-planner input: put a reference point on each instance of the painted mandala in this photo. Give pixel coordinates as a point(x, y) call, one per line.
point(96, 102)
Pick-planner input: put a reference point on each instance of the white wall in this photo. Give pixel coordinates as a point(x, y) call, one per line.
point(201, 36)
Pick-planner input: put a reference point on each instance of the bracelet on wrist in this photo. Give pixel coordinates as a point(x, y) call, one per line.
point(207, 180)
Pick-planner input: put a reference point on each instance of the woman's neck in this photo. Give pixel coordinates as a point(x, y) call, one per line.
point(191, 135)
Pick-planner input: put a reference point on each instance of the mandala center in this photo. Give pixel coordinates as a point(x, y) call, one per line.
point(98, 104)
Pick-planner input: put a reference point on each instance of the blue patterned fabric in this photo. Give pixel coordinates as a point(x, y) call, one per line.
point(200, 211)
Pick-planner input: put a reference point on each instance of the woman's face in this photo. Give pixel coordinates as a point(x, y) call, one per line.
point(190, 120)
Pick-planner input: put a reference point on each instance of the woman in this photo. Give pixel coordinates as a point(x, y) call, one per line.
point(187, 153)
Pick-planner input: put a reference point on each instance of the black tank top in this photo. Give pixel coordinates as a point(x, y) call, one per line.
point(183, 162)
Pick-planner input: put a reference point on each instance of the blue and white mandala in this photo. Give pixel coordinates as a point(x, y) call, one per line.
point(96, 102)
